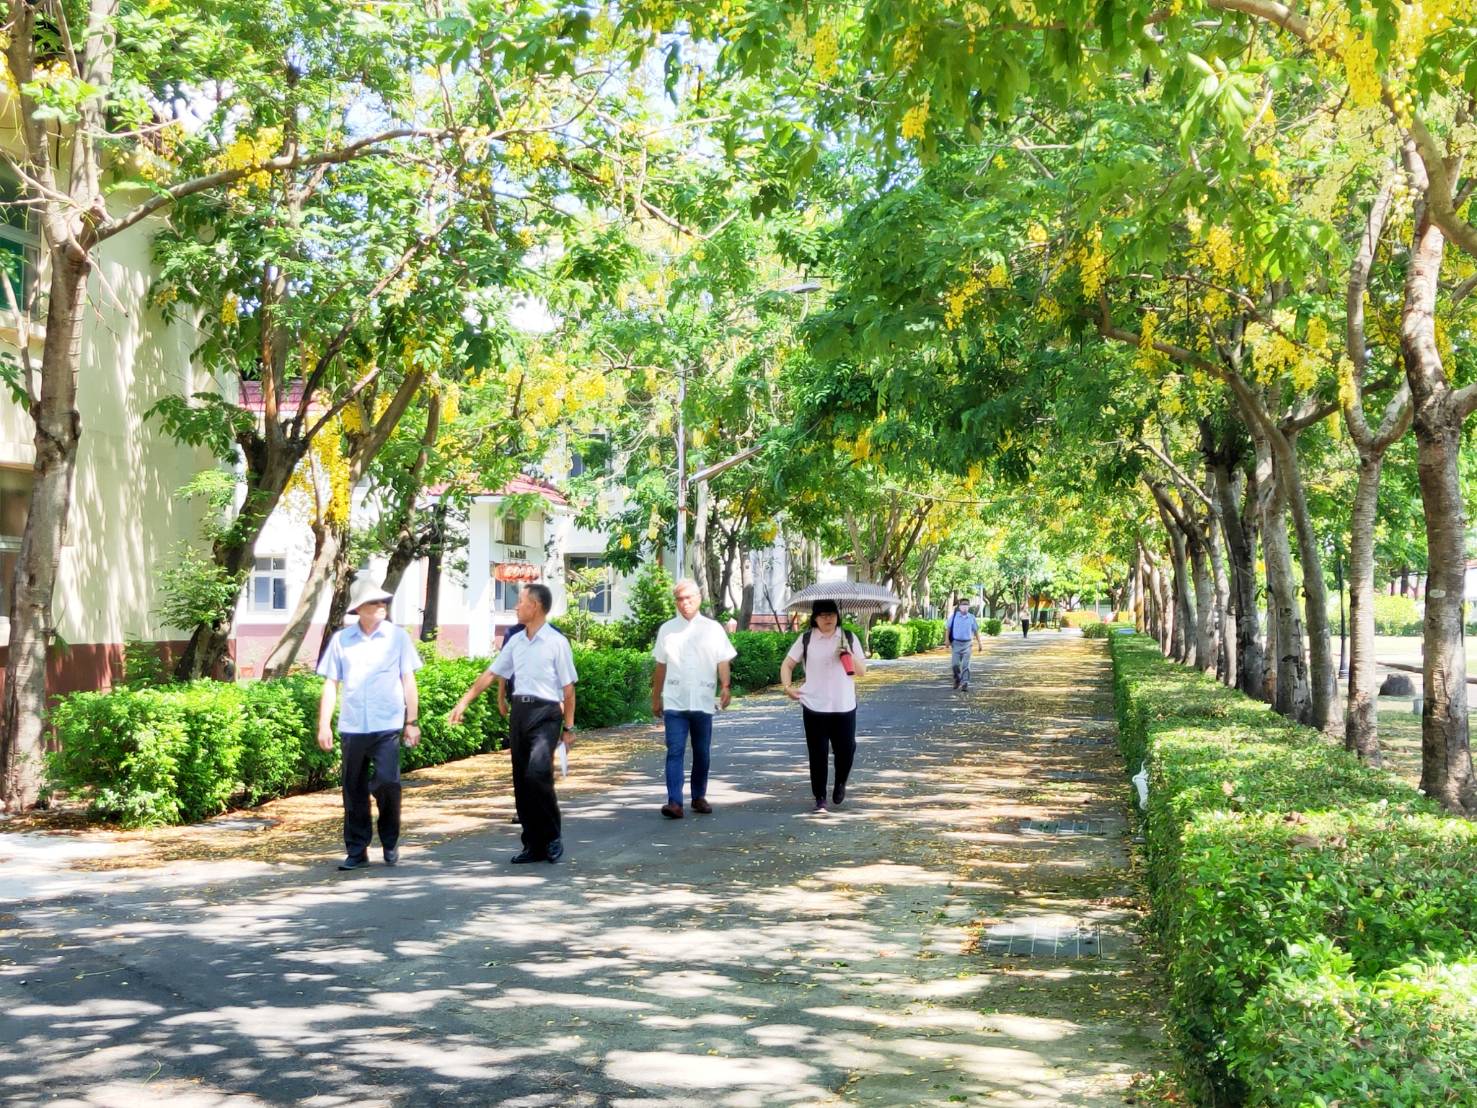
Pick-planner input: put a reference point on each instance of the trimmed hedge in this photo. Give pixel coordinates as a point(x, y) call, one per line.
point(760, 653)
point(1080, 618)
point(891, 640)
point(181, 753)
point(1319, 917)
point(991, 626)
point(928, 634)
point(1103, 630)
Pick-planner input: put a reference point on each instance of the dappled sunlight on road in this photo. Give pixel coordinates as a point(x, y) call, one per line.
point(761, 955)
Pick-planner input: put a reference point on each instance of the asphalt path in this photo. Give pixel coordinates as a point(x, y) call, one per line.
point(760, 955)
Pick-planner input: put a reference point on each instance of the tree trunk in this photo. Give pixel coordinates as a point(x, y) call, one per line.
point(1182, 641)
point(1323, 673)
point(1204, 605)
point(1225, 619)
point(53, 473)
point(1292, 697)
point(1239, 532)
point(327, 541)
point(1361, 726)
point(1438, 412)
point(431, 616)
point(344, 575)
point(746, 590)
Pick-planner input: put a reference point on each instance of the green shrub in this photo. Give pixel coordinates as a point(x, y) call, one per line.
point(1079, 619)
point(651, 606)
point(1103, 630)
point(1266, 842)
point(1415, 1027)
point(1396, 615)
point(614, 686)
point(760, 654)
point(891, 640)
point(991, 625)
point(440, 684)
point(928, 634)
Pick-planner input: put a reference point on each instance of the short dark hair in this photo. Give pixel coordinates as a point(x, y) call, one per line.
point(542, 594)
point(823, 607)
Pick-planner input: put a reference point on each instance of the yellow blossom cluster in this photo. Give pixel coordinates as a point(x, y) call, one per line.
point(1049, 311)
point(1347, 391)
point(1149, 361)
point(230, 309)
point(967, 293)
point(1036, 235)
point(824, 50)
point(1218, 251)
point(246, 152)
point(915, 121)
point(1091, 263)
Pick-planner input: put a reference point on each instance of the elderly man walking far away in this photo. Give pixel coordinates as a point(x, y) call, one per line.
point(964, 633)
point(540, 665)
point(375, 662)
point(692, 654)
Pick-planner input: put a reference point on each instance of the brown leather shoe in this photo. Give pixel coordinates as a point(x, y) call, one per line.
point(672, 811)
point(702, 806)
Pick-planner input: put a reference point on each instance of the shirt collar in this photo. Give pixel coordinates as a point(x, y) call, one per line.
point(383, 628)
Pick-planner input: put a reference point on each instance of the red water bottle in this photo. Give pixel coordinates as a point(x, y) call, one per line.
point(846, 663)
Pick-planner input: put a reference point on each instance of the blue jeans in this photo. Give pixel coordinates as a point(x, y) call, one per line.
point(679, 726)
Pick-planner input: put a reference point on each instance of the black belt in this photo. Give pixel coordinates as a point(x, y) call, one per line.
point(518, 699)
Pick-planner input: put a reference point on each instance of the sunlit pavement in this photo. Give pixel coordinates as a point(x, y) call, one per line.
point(911, 947)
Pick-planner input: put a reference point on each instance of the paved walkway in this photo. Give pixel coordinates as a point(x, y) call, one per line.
point(961, 931)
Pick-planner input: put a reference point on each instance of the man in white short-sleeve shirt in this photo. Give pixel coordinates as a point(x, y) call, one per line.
point(375, 662)
point(541, 665)
point(692, 654)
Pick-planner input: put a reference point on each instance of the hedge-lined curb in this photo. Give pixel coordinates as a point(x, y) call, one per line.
point(1319, 917)
point(182, 753)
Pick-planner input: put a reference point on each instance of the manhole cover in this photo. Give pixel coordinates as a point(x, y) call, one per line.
point(1042, 939)
point(1064, 826)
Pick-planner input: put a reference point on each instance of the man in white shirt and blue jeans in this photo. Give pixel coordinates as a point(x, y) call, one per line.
point(375, 662)
point(540, 664)
point(692, 675)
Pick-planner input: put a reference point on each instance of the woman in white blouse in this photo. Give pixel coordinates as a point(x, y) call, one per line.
point(833, 660)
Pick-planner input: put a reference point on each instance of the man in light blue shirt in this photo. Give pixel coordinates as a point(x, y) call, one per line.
point(963, 633)
point(375, 662)
point(540, 664)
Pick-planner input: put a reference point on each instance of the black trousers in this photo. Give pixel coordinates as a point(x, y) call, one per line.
point(534, 729)
point(382, 748)
point(833, 730)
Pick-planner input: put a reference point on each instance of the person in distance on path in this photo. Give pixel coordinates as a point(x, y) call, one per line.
point(964, 632)
point(375, 662)
point(832, 659)
point(692, 654)
point(541, 666)
point(1025, 623)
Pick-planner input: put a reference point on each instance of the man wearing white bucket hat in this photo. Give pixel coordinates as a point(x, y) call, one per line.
point(375, 662)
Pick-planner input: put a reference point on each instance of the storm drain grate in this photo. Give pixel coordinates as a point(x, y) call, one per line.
point(1064, 826)
point(1042, 939)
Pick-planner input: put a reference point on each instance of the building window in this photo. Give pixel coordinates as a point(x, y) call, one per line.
point(598, 602)
point(15, 505)
point(20, 245)
point(269, 585)
point(590, 456)
point(505, 595)
point(512, 531)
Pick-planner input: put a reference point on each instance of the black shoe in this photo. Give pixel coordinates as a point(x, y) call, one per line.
point(392, 855)
point(528, 855)
point(838, 794)
point(554, 851)
point(354, 861)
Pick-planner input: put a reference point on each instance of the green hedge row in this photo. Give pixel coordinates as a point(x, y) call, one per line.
point(760, 654)
point(1319, 917)
point(181, 753)
point(892, 640)
point(1103, 630)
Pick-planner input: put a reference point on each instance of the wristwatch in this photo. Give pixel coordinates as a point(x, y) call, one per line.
point(569, 727)
point(413, 722)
